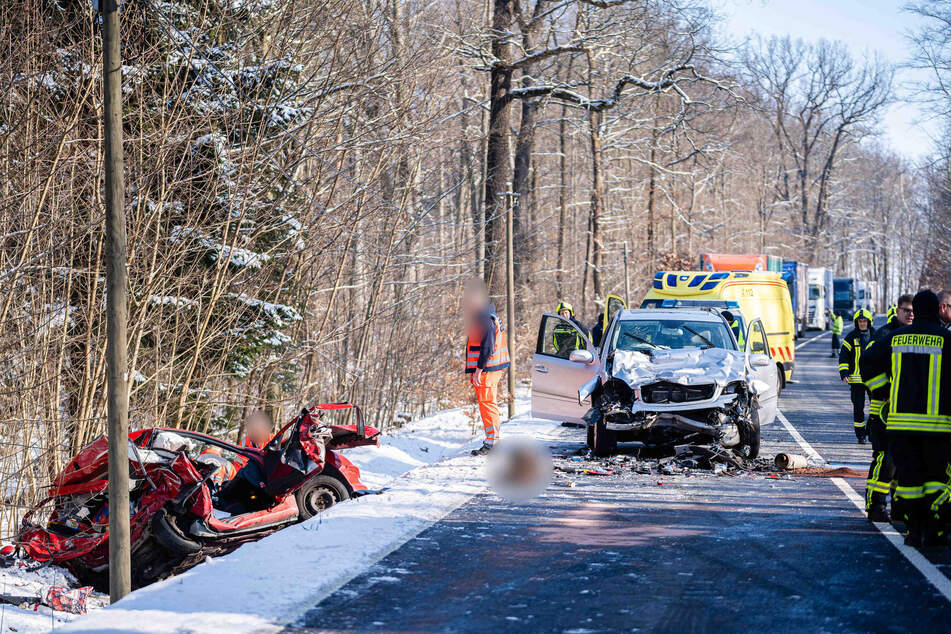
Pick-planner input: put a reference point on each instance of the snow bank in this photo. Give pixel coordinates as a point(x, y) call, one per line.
point(427, 471)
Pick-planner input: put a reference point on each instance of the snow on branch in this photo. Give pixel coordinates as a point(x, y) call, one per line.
point(668, 81)
point(233, 255)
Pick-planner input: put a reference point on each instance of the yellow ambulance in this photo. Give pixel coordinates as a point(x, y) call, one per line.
point(760, 295)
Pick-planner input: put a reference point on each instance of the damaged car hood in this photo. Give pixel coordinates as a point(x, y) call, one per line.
point(686, 366)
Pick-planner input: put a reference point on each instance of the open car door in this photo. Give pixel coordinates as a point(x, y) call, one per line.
point(555, 376)
point(612, 304)
point(763, 368)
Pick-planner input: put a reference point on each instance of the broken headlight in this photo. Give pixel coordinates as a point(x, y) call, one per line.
point(734, 388)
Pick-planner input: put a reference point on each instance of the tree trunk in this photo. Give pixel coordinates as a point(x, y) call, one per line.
point(498, 155)
point(562, 195)
point(563, 184)
point(522, 185)
point(524, 146)
point(597, 200)
point(651, 195)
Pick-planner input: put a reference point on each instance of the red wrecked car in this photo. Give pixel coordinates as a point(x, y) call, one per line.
point(189, 500)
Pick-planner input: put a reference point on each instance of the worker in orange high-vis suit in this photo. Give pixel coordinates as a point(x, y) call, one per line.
point(487, 356)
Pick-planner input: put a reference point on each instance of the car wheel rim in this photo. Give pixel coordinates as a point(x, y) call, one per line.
point(320, 499)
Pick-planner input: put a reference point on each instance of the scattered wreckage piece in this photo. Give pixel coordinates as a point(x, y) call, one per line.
point(687, 460)
point(790, 461)
point(71, 600)
point(188, 501)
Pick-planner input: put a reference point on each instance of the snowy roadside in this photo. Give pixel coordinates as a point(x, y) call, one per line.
point(427, 472)
point(20, 582)
point(417, 444)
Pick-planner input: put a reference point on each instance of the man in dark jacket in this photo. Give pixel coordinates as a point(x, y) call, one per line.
point(849, 355)
point(915, 363)
point(882, 469)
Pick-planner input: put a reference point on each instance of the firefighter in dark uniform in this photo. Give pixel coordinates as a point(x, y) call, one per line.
point(564, 337)
point(882, 470)
point(915, 363)
point(849, 355)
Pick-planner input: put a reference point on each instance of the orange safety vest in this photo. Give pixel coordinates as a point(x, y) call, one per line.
point(241, 460)
point(498, 360)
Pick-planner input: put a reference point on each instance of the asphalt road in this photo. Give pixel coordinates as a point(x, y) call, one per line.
point(692, 554)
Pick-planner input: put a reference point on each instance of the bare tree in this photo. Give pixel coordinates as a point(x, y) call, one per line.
point(818, 100)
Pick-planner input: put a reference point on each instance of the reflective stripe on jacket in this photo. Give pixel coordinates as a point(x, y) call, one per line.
point(914, 362)
point(850, 354)
point(564, 336)
point(499, 357)
point(878, 388)
point(740, 341)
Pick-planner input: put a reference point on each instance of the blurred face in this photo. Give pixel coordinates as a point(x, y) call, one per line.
point(258, 428)
point(905, 314)
point(474, 301)
point(862, 323)
point(566, 314)
point(944, 309)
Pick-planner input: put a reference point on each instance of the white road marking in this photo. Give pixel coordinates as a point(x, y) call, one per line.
point(934, 576)
point(811, 339)
point(930, 572)
point(811, 453)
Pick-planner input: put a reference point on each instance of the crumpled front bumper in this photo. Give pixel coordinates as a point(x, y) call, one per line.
point(670, 413)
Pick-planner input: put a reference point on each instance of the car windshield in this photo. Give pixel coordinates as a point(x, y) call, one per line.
point(815, 292)
point(670, 334)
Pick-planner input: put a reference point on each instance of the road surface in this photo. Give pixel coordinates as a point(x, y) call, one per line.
point(691, 554)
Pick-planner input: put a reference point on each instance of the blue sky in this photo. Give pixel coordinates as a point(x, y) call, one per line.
point(865, 26)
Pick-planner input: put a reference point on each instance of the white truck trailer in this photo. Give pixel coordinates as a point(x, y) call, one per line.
point(820, 298)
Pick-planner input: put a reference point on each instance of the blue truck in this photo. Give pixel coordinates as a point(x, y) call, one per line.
point(844, 296)
point(796, 276)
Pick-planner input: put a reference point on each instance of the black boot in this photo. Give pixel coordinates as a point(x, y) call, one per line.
point(481, 451)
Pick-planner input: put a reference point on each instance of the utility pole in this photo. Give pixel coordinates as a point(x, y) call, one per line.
point(511, 200)
point(120, 565)
point(627, 279)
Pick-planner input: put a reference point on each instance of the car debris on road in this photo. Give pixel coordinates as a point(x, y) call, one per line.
point(686, 460)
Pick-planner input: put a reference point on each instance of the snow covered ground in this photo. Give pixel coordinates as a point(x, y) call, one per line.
point(425, 471)
point(19, 582)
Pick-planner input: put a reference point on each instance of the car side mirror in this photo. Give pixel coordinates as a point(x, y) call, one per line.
point(581, 356)
point(760, 361)
point(758, 347)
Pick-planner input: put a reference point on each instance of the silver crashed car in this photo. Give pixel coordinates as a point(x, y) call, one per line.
point(661, 377)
